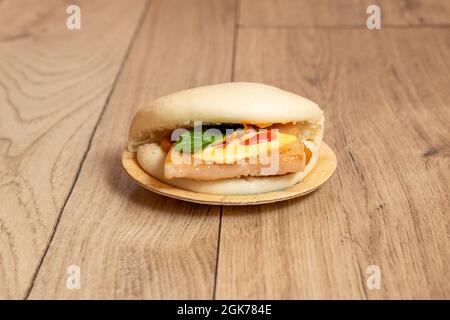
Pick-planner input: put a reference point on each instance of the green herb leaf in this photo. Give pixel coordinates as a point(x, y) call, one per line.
point(195, 140)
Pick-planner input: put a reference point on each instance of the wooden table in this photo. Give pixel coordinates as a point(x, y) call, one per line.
point(66, 99)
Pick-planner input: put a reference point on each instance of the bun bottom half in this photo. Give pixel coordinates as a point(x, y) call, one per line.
point(151, 158)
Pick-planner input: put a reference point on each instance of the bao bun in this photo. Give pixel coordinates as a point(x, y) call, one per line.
point(234, 102)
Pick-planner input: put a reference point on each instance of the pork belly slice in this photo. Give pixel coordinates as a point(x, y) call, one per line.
point(290, 159)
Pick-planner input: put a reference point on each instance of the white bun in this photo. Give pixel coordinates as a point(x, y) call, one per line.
point(151, 158)
point(233, 102)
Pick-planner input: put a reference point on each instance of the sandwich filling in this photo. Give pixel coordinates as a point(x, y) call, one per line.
point(234, 151)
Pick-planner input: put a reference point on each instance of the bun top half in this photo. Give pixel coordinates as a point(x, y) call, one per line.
point(233, 102)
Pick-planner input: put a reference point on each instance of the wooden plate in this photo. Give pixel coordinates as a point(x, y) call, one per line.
point(324, 169)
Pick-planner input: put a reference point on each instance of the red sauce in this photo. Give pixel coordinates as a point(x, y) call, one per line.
point(166, 143)
point(260, 137)
point(226, 141)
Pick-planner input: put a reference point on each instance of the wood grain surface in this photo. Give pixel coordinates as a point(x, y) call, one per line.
point(341, 13)
point(128, 241)
point(387, 104)
point(53, 86)
point(67, 97)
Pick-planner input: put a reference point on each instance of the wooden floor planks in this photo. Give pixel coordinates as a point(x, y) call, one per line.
point(387, 205)
point(341, 13)
point(53, 86)
point(129, 242)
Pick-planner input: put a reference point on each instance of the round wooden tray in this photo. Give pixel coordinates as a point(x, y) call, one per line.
point(324, 169)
